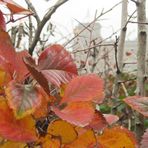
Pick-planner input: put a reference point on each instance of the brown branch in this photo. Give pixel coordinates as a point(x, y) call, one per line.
point(136, 2)
point(31, 7)
point(128, 21)
point(142, 23)
point(116, 53)
point(96, 45)
point(43, 22)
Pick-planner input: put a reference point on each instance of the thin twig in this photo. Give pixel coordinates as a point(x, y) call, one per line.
point(145, 23)
point(43, 22)
point(116, 60)
point(101, 14)
point(96, 45)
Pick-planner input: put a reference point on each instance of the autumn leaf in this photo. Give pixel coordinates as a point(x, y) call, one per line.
point(84, 88)
point(85, 140)
point(2, 77)
point(61, 67)
point(21, 70)
point(30, 64)
point(22, 130)
point(6, 72)
point(98, 122)
point(140, 104)
point(117, 137)
point(43, 109)
point(144, 141)
point(62, 130)
point(78, 113)
point(15, 8)
point(128, 53)
point(55, 66)
point(7, 51)
point(49, 142)
point(12, 144)
point(111, 119)
point(23, 99)
point(2, 21)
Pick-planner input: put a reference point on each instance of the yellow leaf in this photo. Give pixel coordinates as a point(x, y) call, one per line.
point(48, 142)
point(65, 131)
point(2, 77)
point(11, 144)
point(117, 137)
point(85, 140)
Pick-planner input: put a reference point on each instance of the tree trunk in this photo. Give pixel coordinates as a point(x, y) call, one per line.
point(120, 51)
point(141, 53)
point(141, 58)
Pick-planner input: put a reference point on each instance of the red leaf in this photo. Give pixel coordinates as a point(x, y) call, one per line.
point(111, 118)
point(23, 99)
point(15, 8)
point(84, 88)
point(7, 50)
point(128, 53)
point(30, 64)
point(56, 57)
point(55, 66)
point(20, 68)
point(17, 130)
point(5, 68)
point(61, 67)
point(139, 104)
point(98, 122)
point(78, 113)
point(10, 60)
point(144, 142)
point(2, 21)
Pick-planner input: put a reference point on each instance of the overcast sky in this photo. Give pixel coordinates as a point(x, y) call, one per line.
point(84, 11)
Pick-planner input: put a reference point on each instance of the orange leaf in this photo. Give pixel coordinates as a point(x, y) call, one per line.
point(48, 142)
point(78, 113)
point(12, 144)
point(62, 130)
point(138, 103)
point(117, 137)
point(23, 99)
point(85, 140)
point(16, 130)
point(15, 8)
point(2, 77)
point(42, 109)
point(5, 72)
point(84, 88)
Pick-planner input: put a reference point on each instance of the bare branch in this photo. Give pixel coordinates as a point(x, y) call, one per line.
point(144, 23)
point(43, 22)
point(86, 27)
point(136, 2)
point(31, 7)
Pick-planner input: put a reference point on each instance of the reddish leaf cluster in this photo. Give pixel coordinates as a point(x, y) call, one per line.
point(139, 104)
point(31, 113)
